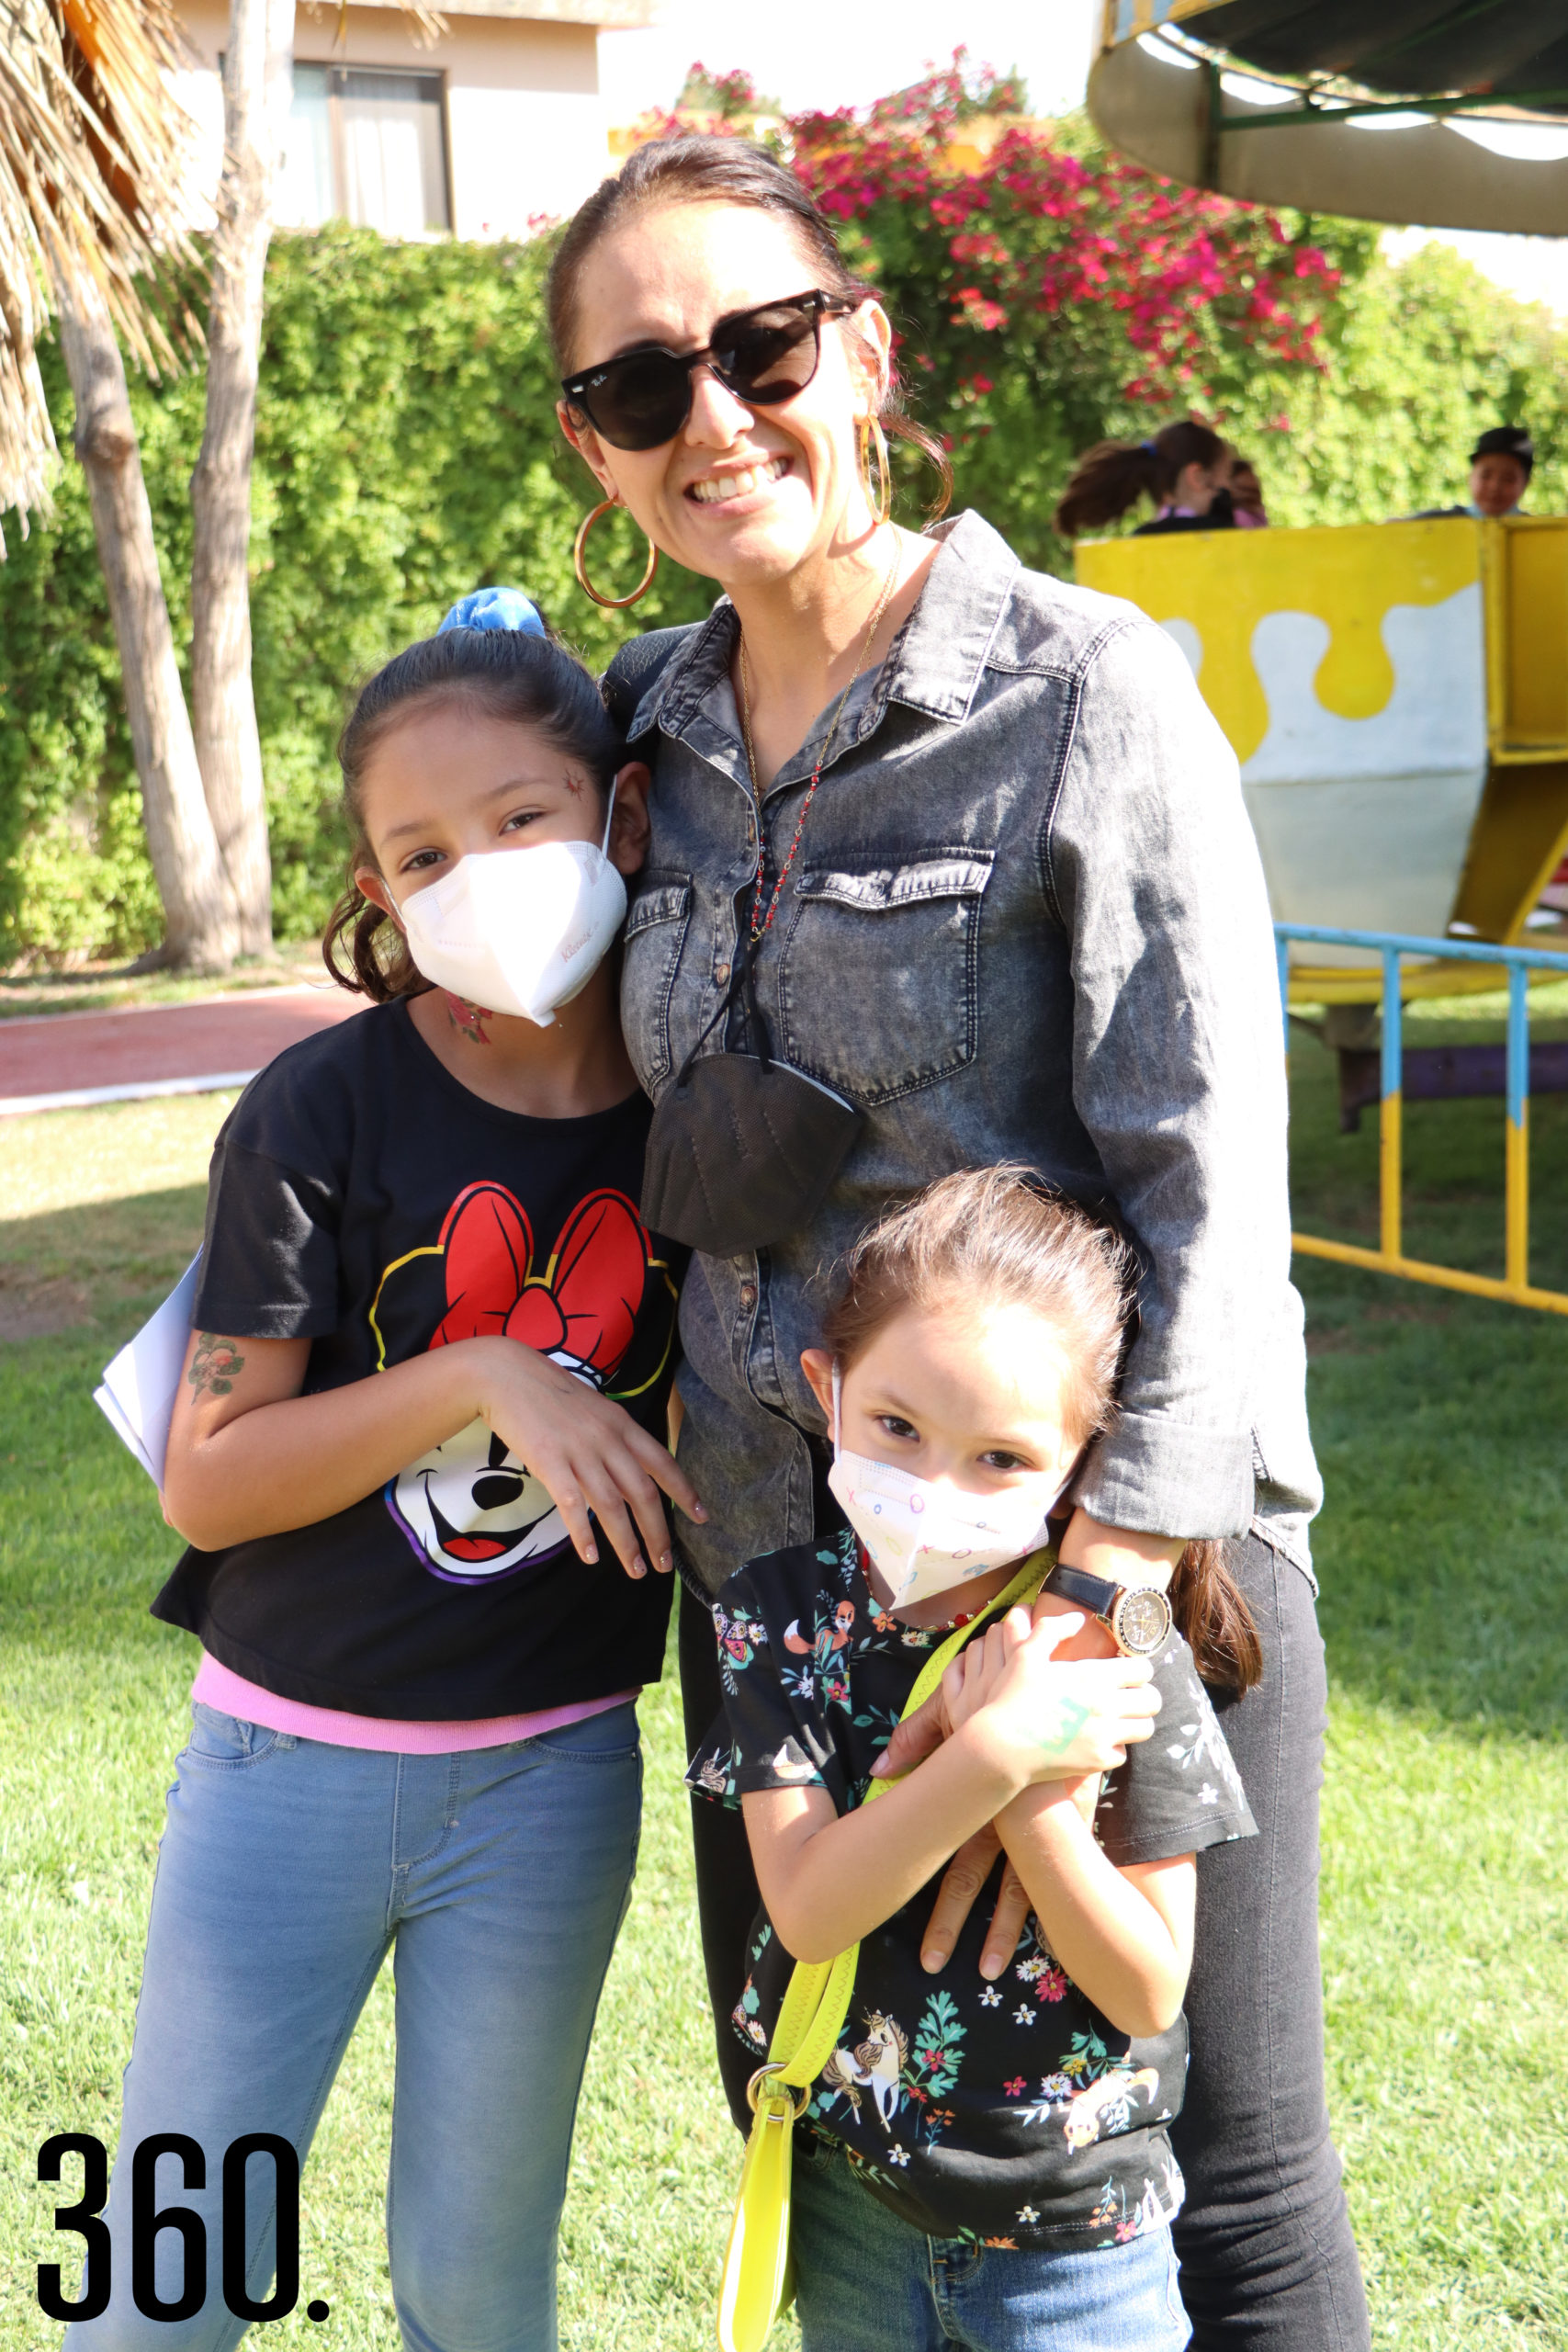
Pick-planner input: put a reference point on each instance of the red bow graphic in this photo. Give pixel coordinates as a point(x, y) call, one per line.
point(585, 1305)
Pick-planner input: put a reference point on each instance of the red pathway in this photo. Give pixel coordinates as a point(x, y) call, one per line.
point(50, 1061)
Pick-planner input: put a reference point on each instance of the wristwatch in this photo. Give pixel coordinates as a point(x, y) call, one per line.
point(1138, 1617)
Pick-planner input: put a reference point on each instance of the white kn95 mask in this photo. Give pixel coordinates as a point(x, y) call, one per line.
point(519, 931)
point(925, 1538)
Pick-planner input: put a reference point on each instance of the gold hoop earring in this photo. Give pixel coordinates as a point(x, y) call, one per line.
point(880, 497)
point(615, 604)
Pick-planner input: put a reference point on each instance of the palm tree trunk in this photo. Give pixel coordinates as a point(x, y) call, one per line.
point(201, 929)
point(257, 85)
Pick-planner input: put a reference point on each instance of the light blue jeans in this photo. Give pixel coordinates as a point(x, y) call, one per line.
point(500, 1879)
point(865, 2281)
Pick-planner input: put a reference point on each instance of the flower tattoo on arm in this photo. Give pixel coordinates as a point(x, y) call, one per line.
point(214, 1365)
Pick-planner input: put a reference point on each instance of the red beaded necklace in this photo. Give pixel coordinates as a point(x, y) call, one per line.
point(761, 924)
point(954, 1624)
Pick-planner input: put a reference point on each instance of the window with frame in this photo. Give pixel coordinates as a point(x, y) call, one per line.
point(366, 146)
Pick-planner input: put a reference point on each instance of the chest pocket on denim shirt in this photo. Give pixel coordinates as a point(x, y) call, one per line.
point(879, 979)
point(654, 935)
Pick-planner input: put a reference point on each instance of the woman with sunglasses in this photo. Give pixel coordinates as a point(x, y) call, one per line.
point(950, 861)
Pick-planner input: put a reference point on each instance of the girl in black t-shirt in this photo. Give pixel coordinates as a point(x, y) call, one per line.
point(984, 2156)
point(1185, 469)
point(417, 1457)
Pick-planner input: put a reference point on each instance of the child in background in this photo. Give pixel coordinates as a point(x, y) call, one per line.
point(1246, 495)
point(1184, 471)
point(980, 2162)
point(417, 1460)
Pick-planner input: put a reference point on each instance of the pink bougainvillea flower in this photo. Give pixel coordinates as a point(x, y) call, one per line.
point(1160, 296)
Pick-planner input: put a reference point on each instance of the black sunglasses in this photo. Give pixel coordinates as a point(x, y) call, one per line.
point(764, 357)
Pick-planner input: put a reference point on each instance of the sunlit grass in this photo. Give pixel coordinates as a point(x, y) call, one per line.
point(1439, 1425)
point(1440, 1422)
point(1452, 1152)
point(99, 1206)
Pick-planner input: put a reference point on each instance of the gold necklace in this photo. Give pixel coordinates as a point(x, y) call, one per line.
point(759, 928)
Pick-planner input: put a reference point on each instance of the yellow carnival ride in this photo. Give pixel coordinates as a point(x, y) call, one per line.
point(1397, 693)
point(1397, 696)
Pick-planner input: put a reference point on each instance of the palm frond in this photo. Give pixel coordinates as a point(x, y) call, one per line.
point(93, 164)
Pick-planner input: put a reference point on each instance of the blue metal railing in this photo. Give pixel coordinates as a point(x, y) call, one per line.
point(1518, 963)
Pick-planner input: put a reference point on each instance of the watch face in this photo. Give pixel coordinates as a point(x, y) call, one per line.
point(1143, 1621)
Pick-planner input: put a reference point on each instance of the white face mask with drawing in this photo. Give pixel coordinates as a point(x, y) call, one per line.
point(519, 931)
point(923, 1538)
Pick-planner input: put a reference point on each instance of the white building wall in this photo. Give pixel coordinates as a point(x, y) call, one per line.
point(526, 128)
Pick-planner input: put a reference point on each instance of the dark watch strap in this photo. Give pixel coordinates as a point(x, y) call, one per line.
point(1097, 1594)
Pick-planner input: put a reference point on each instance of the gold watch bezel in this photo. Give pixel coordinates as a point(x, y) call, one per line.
point(1139, 1592)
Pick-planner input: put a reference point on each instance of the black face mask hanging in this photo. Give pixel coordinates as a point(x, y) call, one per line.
point(742, 1150)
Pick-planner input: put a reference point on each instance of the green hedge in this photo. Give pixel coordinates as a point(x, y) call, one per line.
point(1424, 355)
point(407, 452)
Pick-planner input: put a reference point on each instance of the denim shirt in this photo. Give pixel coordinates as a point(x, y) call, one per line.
point(1026, 921)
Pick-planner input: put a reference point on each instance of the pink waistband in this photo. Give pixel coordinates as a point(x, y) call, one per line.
point(232, 1695)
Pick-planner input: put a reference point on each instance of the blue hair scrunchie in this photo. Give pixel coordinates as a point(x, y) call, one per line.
point(494, 609)
point(1152, 447)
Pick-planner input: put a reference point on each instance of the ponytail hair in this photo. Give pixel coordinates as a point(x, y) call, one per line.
point(1114, 475)
point(521, 674)
point(1214, 1618)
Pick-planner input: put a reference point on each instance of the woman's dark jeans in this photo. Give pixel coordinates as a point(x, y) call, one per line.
point(1267, 2260)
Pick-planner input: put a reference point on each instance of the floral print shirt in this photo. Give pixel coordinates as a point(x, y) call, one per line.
point(1011, 2113)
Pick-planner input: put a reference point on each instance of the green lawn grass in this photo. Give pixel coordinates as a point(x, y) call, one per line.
point(1440, 1424)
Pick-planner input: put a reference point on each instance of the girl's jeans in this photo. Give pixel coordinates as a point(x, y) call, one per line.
point(500, 1879)
point(865, 2281)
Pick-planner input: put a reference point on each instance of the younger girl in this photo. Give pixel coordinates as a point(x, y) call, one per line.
point(432, 1360)
point(1185, 471)
point(983, 2162)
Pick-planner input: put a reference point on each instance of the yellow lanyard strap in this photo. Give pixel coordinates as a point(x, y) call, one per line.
point(818, 1999)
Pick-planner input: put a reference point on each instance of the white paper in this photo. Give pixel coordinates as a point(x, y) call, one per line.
point(140, 1386)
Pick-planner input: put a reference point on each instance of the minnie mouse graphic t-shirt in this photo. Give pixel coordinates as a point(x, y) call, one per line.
point(364, 1200)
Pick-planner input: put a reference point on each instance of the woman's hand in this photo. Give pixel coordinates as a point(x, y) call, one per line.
point(587, 1452)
